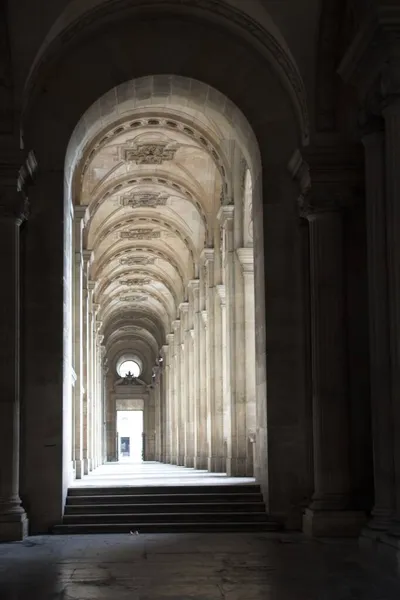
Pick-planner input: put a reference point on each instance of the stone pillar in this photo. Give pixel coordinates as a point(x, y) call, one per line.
point(194, 291)
point(188, 459)
point(226, 404)
point(183, 358)
point(13, 210)
point(236, 445)
point(246, 259)
point(391, 115)
point(215, 444)
point(78, 347)
point(169, 399)
point(329, 512)
point(382, 426)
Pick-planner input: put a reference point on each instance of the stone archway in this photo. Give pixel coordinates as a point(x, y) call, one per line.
point(63, 88)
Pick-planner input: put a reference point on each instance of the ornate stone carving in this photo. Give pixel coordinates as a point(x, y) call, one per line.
point(135, 298)
point(149, 154)
point(140, 234)
point(137, 260)
point(136, 281)
point(147, 199)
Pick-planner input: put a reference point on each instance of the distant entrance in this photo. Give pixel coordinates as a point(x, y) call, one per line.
point(130, 435)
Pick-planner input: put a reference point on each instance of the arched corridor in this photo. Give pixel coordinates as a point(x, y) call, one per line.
point(163, 277)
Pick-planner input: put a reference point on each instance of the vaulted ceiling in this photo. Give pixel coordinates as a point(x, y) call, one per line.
point(153, 183)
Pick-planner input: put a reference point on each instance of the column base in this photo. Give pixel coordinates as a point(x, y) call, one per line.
point(79, 469)
point(200, 463)
point(85, 466)
point(181, 460)
point(189, 462)
point(13, 527)
point(381, 520)
point(331, 523)
point(216, 464)
point(236, 467)
point(174, 460)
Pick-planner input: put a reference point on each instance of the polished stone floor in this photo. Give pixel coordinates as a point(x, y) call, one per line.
point(192, 567)
point(153, 473)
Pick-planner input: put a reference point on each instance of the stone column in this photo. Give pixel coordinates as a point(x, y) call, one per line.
point(185, 392)
point(194, 290)
point(78, 349)
point(215, 453)
point(13, 210)
point(246, 259)
point(328, 513)
point(382, 426)
point(237, 442)
point(169, 399)
point(391, 113)
point(226, 404)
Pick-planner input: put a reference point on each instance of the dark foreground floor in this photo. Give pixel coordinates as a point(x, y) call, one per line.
point(197, 567)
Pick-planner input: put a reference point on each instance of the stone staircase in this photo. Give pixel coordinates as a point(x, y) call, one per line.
point(165, 509)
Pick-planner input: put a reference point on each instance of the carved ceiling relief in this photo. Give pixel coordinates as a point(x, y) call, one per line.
point(149, 154)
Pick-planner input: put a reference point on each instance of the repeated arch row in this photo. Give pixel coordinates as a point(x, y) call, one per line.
point(135, 318)
point(137, 291)
point(139, 271)
point(173, 122)
point(161, 312)
point(144, 248)
point(145, 217)
point(163, 180)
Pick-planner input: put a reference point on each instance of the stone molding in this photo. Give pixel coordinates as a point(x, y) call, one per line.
point(226, 213)
point(246, 258)
point(330, 179)
point(207, 255)
point(221, 290)
point(372, 60)
point(14, 185)
point(184, 307)
point(81, 213)
point(176, 324)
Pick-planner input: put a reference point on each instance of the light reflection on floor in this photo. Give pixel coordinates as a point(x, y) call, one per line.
point(153, 473)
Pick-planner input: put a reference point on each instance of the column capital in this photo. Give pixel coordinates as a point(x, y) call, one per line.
point(246, 258)
point(170, 339)
point(88, 256)
point(192, 333)
point(14, 205)
point(164, 349)
point(226, 214)
point(204, 316)
point(176, 324)
point(207, 256)
point(184, 307)
point(91, 285)
point(81, 213)
point(330, 178)
point(221, 293)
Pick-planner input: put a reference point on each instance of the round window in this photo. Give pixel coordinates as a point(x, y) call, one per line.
point(129, 367)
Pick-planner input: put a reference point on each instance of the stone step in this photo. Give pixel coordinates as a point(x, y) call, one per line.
point(226, 489)
point(163, 498)
point(245, 527)
point(73, 509)
point(201, 517)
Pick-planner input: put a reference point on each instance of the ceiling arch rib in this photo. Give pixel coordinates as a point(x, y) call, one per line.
point(138, 295)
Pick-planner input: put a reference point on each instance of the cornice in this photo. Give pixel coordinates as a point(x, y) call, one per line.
point(376, 43)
